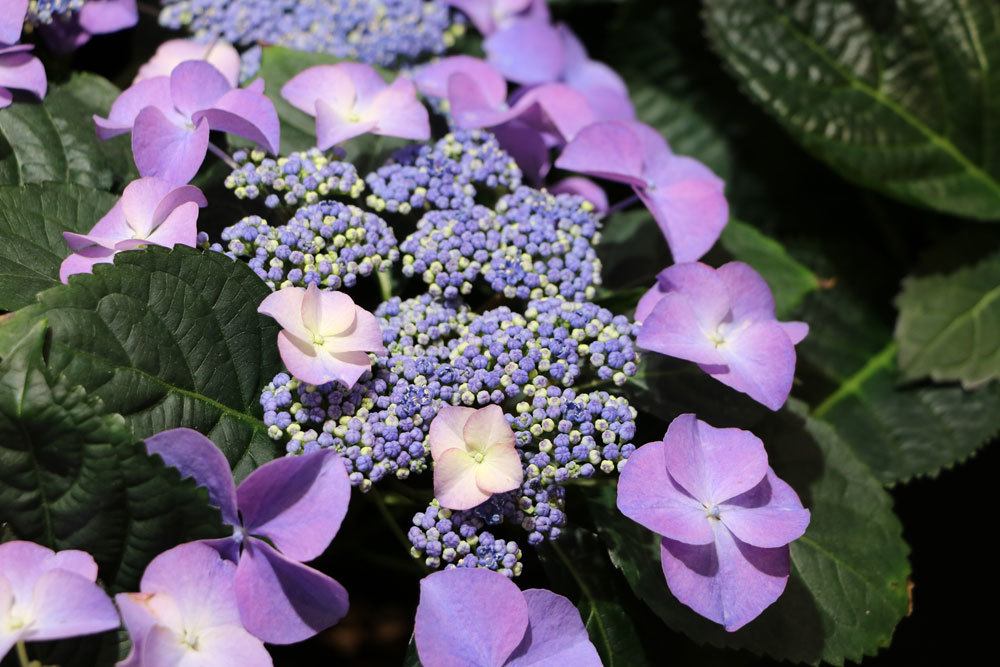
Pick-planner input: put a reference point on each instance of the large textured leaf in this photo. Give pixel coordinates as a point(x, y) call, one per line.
point(168, 338)
point(848, 586)
point(73, 477)
point(32, 220)
point(949, 326)
point(55, 140)
point(899, 96)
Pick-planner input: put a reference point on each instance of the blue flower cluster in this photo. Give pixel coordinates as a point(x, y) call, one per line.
point(43, 12)
point(301, 177)
point(446, 175)
point(532, 245)
point(379, 32)
point(330, 244)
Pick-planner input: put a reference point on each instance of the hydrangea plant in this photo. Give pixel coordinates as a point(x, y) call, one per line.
point(432, 277)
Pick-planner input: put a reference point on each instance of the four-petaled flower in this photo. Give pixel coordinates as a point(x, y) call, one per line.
point(284, 513)
point(723, 320)
point(351, 99)
point(47, 595)
point(473, 617)
point(474, 456)
point(684, 196)
point(170, 118)
point(725, 518)
point(151, 211)
point(173, 52)
point(186, 613)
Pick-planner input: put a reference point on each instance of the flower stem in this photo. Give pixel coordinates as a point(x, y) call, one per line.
point(390, 520)
point(385, 285)
point(623, 204)
point(22, 655)
point(221, 154)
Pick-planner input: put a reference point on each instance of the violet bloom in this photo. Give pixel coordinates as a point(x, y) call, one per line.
point(151, 211)
point(297, 505)
point(684, 196)
point(527, 50)
point(491, 15)
point(474, 617)
point(725, 518)
point(723, 320)
point(170, 118)
point(324, 335)
point(604, 89)
point(221, 55)
point(12, 20)
point(96, 17)
point(47, 595)
point(186, 613)
point(474, 456)
point(351, 99)
point(19, 70)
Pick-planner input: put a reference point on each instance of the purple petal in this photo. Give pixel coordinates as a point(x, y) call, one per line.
point(398, 113)
point(284, 602)
point(564, 111)
point(175, 198)
point(528, 51)
point(584, 187)
point(648, 496)
point(180, 228)
point(199, 581)
point(454, 625)
point(11, 23)
point(472, 105)
point(728, 582)
point(327, 82)
point(555, 634)
point(149, 93)
point(447, 430)
point(246, 114)
point(139, 619)
point(197, 457)
point(22, 563)
point(104, 16)
point(432, 80)
point(22, 71)
point(165, 150)
point(486, 15)
point(279, 499)
point(648, 301)
point(768, 515)
point(749, 293)
point(173, 52)
point(332, 128)
point(6, 98)
point(796, 331)
point(527, 146)
point(759, 361)
point(609, 149)
point(223, 645)
point(83, 261)
point(676, 327)
point(64, 604)
point(195, 86)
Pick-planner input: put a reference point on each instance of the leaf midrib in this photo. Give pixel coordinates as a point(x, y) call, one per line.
point(971, 314)
point(852, 384)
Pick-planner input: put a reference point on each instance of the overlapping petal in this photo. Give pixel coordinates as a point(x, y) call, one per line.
point(173, 52)
point(556, 634)
point(20, 70)
point(195, 456)
point(11, 23)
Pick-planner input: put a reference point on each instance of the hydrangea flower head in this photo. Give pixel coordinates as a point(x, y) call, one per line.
point(684, 196)
point(12, 21)
point(280, 600)
point(478, 617)
point(725, 517)
point(47, 594)
point(723, 320)
point(19, 70)
point(151, 211)
point(173, 52)
point(474, 456)
point(186, 613)
point(170, 118)
point(324, 336)
point(351, 99)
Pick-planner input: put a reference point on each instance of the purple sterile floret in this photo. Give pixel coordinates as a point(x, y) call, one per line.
point(19, 70)
point(74, 28)
point(725, 517)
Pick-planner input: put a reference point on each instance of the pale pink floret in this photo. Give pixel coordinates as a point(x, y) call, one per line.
point(474, 456)
point(325, 336)
point(173, 52)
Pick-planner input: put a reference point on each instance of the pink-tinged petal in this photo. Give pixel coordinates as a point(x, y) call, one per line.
point(285, 306)
point(328, 313)
point(527, 51)
point(564, 111)
point(330, 83)
point(75, 561)
point(165, 150)
point(139, 616)
point(246, 114)
point(64, 604)
point(728, 582)
point(198, 581)
point(796, 331)
point(471, 106)
point(83, 261)
point(332, 128)
point(173, 52)
point(749, 293)
point(700, 284)
point(528, 148)
point(455, 484)
point(22, 71)
point(650, 497)
point(347, 367)
point(21, 563)
point(153, 92)
point(11, 23)
point(303, 360)
point(648, 301)
point(6, 98)
point(500, 470)
point(223, 645)
point(488, 428)
point(759, 361)
point(688, 203)
point(432, 80)
point(195, 85)
point(606, 103)
point(609, 149)
point(104, 16)
point(284, 602)
point(197, 457)
point(584, 187)
point(398, 113)
point(447, 429)
point(455, 628)
point(555, 636)
point(279, 501)
point(366, 81)
point(769, 515)
point(673, 327)
point(174, 199)
point(483, 13)
point(364, 334)
point(139, 202)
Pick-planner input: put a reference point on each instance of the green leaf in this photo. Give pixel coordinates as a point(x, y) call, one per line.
point(949, 326)
point(632, 249)
point(32, 220)
point(896, 96)
point(848, 587)
point(169, 338)
point(73, 476)
point(55, 140)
